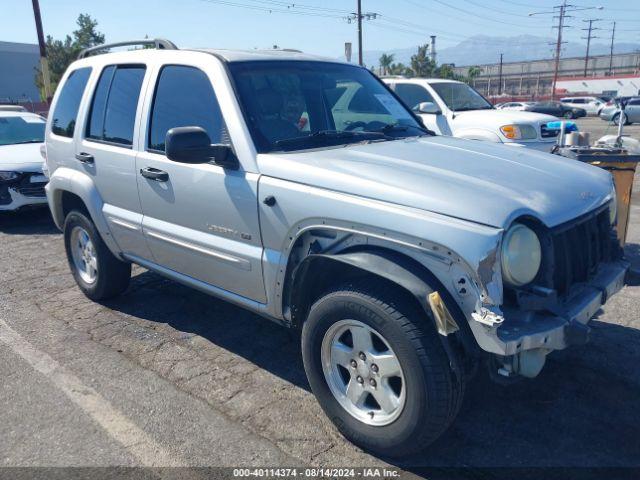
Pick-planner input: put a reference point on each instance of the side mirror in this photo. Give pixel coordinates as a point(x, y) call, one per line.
point(428, 107)
point(193, 145)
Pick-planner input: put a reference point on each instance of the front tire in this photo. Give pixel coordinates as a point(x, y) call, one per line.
point(376, 365)
point(616, 119)
point(568, 115)
point(98, 273)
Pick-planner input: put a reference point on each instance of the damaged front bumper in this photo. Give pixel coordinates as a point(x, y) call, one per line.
point(524, 338)
point(27, 190)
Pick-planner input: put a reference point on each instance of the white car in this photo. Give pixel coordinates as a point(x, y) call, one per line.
point(454, 108)
point(518, 106)
point(592, 105)
point(22, 179)
point(12, 108)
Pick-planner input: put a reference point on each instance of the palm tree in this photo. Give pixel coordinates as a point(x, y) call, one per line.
point(385, 62)
point(474, 71)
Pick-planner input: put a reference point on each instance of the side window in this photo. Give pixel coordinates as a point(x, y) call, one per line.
point(66, 112)
point(113, 111)
point(184, 97)
point(412, 95)
point(364, 102)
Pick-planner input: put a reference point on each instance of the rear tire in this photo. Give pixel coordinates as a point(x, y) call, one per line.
point(568, 115)
point(98, 273)
point(432, 393)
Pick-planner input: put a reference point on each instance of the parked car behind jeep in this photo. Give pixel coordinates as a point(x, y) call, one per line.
point(303, 190)
point(611, 112)
point(557, 109)
point(454, 108)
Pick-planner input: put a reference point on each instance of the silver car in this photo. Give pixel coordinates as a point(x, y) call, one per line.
point(611, 113)
point(405, 259)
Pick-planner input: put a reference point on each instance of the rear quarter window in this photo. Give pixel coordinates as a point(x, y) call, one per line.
point(66, 112)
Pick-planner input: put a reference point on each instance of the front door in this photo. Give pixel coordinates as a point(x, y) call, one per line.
point(199, 220)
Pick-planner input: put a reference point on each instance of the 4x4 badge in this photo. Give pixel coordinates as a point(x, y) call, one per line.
point(228, 231)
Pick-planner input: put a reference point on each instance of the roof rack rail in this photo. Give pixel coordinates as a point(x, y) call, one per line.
point(157, 43)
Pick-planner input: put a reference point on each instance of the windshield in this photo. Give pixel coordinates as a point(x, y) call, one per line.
point(18, 129)
point(460, 96)
point(296, 105)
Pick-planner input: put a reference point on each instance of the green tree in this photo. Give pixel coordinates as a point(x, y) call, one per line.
point(400, 69)
point(385, 62)
point(61, 53)
point(474, 72)
point(446, 71)
point(421, 64)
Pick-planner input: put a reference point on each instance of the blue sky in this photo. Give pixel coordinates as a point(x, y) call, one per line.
point(315, 26)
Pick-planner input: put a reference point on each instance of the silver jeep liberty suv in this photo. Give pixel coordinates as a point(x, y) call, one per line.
point(303, 190)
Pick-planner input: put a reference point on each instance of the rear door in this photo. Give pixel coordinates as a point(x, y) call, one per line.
point(105, 152)
point(199, 220)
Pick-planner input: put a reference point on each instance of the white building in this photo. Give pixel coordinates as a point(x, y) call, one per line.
point(619, 85)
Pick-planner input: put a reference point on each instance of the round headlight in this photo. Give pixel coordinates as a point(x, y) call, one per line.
point(521, 255)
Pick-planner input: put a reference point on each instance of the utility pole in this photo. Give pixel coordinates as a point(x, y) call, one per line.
point(588, 38)
point(359, 32)
point(613, 36)
point(556, 67)
point(44, 64)
point(358, 16)
point(563, 10)
point(500, 76)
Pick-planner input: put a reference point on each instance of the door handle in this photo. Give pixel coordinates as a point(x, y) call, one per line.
point(154, 174)
point(85, 157)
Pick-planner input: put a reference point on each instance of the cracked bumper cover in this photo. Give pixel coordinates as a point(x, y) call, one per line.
point(11, 199)
point(529, 330)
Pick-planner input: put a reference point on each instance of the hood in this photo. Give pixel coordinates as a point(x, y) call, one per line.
point(481, 182)
point(22, 157)
point(498, 118)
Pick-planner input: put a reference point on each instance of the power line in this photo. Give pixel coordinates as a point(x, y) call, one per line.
point(271, 10)
point(420, 30)
point(562, 11)
point(500, 11)
point(466, 12)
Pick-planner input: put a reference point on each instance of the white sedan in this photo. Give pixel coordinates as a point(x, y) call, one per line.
point(22, 179)
point(518, 106)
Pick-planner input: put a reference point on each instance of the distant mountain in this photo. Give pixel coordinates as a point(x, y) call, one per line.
point(481, 49)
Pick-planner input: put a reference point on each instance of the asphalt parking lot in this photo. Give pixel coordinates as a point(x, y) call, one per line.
point(597, 128)
point(166, 376)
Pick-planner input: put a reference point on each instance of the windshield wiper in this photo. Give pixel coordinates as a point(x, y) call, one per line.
point(26, 141)
point(396, 127)
point(329, 135)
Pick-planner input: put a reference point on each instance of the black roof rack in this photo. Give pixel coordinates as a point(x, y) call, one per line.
point(157, 43)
